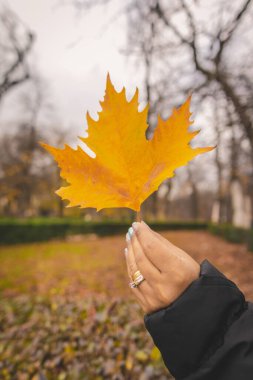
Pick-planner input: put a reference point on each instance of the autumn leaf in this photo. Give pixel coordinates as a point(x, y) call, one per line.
point(127, 167)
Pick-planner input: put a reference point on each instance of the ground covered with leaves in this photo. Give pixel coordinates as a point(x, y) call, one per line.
point(67, 313)
point(67, 339)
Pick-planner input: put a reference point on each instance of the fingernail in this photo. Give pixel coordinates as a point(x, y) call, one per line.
point(131, 231)
point(135, 225)
point(126, 251)
point(128, 238)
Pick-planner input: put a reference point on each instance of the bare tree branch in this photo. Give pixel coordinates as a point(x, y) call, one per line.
point(229, 31)
point(15, 70)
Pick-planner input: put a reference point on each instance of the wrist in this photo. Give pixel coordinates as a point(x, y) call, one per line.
point(192, 273)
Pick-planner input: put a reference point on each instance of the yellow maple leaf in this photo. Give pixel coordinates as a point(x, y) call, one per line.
point(127, 167)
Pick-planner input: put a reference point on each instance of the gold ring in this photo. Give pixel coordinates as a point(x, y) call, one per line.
point(132, 284)
point(137, 279)
point(136, 274)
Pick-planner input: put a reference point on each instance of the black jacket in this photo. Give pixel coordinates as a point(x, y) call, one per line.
point(207, 333)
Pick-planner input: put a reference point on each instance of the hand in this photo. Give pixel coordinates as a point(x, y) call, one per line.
point(167, 269)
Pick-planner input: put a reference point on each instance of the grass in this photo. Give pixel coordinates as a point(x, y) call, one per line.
point(62, 267)
point(66, 314)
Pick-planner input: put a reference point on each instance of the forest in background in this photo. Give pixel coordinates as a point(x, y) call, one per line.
point(183, 47)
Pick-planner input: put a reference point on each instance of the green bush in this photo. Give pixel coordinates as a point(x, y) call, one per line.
point(229, 232)
point(13, 231)
point(250, 240)
point(233, 234)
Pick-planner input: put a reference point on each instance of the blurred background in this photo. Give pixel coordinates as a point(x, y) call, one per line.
point(58, 320)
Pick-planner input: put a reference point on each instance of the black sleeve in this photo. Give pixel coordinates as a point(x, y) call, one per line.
point(207, 333)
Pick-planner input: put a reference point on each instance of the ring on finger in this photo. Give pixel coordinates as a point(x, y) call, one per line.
point(136, 275)
point(137, 280)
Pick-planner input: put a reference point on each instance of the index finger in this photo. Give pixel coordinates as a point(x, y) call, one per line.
point(147, 268)
point(155, 250)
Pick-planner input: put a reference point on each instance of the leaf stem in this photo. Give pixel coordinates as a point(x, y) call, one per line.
point(138, 216)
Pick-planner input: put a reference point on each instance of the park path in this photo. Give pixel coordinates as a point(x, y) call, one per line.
point(234, 260)
point(88, 264)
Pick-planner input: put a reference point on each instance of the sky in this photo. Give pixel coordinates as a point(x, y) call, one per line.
point(73, 52)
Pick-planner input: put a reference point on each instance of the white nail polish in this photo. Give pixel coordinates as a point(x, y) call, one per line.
point(128, 237)
point(131, 231)
point(126, 251)
point(135, 226)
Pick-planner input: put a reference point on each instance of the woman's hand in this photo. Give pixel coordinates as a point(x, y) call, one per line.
point(167, 269)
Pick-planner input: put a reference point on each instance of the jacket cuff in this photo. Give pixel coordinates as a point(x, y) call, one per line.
point(189, 330)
